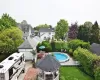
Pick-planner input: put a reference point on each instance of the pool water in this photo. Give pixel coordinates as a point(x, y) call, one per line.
point(61, 57)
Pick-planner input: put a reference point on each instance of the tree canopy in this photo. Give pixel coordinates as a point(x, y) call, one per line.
point(61, 29)
point(42, 26)
point(6, 22)
point(10, 39)
point(95, 33)
point(72, 33)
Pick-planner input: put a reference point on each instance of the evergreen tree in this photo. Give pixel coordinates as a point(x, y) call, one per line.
point(95, 33)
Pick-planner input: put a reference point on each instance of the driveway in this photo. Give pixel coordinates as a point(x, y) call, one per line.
point(28, 64)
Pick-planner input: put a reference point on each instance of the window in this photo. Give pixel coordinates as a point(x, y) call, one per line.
point(10, 73)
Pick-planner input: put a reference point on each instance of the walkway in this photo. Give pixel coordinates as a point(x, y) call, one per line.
point(31, 74)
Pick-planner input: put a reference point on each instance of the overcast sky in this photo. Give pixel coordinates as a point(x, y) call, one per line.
point(37, 12)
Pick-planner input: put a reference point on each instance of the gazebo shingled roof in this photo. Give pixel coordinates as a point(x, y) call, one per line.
point(48, 64)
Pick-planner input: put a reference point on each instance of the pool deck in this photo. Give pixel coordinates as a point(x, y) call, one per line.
point(70, 62)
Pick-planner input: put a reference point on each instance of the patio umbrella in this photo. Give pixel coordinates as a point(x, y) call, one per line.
point(41, 47)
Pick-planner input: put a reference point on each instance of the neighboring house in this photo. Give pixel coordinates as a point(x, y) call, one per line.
point(46, 33)
point(95, 48)
point(26, 29)
point(29, 45)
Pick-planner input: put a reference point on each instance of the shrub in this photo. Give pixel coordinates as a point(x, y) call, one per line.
point(86, 59)
point(53, 46)
point(74, 44)
point(97, 73)
point(60, 45)
point(47, 46)
point(71, 52)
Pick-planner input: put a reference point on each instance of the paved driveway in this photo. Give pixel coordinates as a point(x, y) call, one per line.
point(28, 64)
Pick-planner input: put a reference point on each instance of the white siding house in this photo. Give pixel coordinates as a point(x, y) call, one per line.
point(46, 33)
point(29, 45)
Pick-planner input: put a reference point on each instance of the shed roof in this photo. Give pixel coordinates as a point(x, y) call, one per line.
point(48, 63)
point(95, 48)
point(25, 45)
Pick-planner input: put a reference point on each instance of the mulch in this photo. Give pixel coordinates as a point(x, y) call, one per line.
point(31, 74)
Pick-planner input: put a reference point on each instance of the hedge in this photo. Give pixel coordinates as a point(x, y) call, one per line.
point(97, 73)
point(58, 45)
point(74, 44)
point(90, 62)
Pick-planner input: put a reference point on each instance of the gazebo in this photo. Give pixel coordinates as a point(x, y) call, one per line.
point(49, 68)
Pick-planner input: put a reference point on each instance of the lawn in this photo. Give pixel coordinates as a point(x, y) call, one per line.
point(73, 73)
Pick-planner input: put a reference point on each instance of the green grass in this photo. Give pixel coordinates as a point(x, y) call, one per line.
point(73, 73)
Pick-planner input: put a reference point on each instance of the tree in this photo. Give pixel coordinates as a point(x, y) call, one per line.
point(10, 39)
point(72, 34)
point(42, 26)
point(88, 24)
point(6, 22)
point(95, 33)
point(84, 31)
point(61, 29)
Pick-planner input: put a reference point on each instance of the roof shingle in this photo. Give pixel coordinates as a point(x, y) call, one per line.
point(48, 63)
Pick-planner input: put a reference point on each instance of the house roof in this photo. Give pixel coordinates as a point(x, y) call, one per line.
point(30, 43)
point(46, 30)
point(25, 45)
point(48, 63)
point(95, 48)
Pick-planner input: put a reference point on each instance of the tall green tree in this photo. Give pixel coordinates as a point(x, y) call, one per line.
point(84, 31)
point(88, 24)
point(61, 29)
point(95, 33)
point(10, 39)
point(6, 22)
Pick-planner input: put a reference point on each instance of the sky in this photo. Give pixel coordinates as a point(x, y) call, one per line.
point(37, 12)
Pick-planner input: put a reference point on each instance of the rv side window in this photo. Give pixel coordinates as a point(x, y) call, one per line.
point(21, 59)
point(10, 73)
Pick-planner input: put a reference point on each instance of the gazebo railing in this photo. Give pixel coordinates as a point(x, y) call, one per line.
point(57, 77)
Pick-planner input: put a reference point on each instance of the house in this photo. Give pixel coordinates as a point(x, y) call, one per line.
point(49, 68)
point(95, 48)
point(46, 33)
point(28, 46)
point(26, 29)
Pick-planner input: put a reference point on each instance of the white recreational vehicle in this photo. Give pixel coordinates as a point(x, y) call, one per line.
point(12, 66)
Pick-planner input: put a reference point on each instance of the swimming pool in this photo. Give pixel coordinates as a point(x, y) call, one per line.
point(61, 57)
